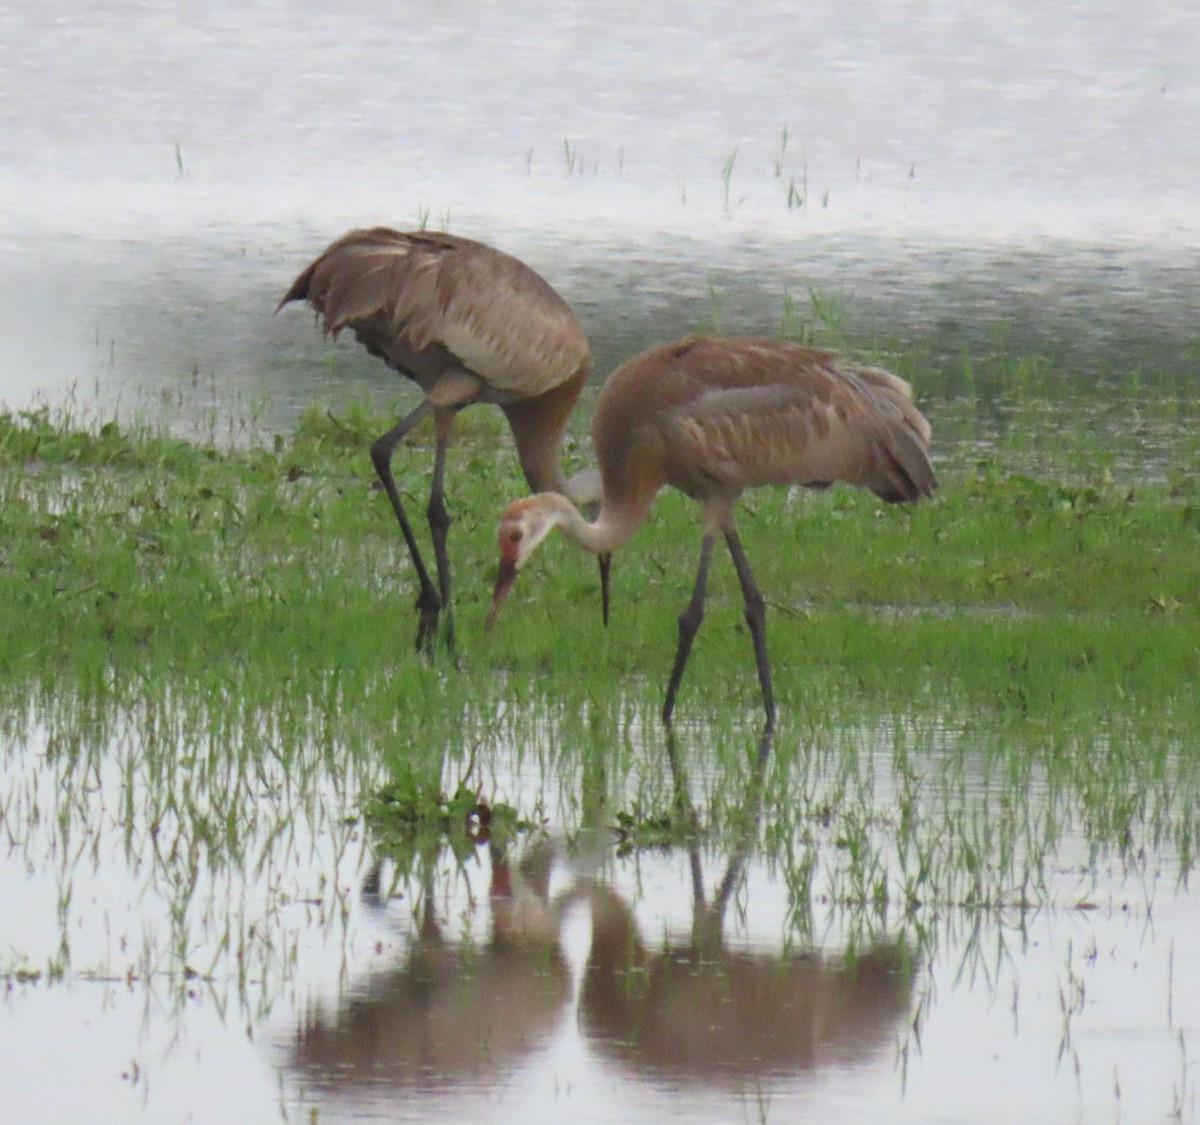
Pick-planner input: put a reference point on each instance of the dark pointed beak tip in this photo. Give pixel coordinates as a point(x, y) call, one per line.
point(505, 577)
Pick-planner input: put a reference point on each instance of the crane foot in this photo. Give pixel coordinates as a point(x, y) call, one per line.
point(429, 608)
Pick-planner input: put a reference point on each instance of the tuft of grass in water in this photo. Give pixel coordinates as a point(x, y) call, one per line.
point(637, 829)
point(39, 436)
point(727, 174)
point(410, 818)
point(823, 327)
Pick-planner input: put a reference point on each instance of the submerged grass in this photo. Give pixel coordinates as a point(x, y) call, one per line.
point(963, 684)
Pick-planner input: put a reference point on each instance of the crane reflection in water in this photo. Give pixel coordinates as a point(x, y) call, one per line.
point(459, 1014)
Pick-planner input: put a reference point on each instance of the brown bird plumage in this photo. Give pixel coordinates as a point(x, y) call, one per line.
point(467, 323)
point(714, 416)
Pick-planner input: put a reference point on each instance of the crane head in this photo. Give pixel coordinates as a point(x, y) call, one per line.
point(523, 525)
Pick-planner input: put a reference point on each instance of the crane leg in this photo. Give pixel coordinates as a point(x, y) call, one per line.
point(756, 619)
point(429, 602)
point(439, 524)
point(689, 622)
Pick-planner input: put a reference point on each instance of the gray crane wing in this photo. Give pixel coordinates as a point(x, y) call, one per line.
point(762, 412)
point(417, 299)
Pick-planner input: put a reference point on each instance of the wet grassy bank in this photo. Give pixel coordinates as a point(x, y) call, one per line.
point(126, 550)
point(209, 651)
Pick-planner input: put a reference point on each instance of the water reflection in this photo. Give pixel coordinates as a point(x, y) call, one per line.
point(700, 1010)
point(548, 980)
point(462, 1015)
point(452, 1011)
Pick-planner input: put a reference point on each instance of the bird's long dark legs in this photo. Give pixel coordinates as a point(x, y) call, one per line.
point(756, 618)
point(689, 622)
point(439, 524)
point(429, 602)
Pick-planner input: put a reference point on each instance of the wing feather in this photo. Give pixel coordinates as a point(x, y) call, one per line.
point(739, 413)
point(407, 292)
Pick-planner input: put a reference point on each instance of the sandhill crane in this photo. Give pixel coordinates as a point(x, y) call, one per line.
point(713, 416)
point(468, 324)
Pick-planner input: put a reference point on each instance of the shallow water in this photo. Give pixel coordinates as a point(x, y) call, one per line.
point(1004, 199)
point(174, 916)
point(975, 181)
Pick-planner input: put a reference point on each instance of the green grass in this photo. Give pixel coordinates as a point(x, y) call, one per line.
point(1024, 593)
point(961, 683)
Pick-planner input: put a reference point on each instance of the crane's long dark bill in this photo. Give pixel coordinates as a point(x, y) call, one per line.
point(605, 564)
point(505, 577)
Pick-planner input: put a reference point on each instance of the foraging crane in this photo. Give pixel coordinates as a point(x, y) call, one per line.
point(468, 324)
point(714, 416)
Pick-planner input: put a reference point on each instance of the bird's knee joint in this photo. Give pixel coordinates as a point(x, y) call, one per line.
point(690, 618)
point(756, 609)
point(381, 455)
point(437, 515)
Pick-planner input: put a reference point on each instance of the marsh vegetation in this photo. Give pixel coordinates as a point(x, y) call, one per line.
point(260, 861)
point(220, 747)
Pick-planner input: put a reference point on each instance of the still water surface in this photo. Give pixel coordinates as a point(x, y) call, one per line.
point(955, 180)
point(746, 980)
point(982, 188)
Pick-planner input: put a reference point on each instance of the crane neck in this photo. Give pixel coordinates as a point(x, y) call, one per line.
point(611, 529)
point(538, 425)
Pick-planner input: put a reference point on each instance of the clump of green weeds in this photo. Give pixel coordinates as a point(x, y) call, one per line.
point(638, 828)
point(410, 817)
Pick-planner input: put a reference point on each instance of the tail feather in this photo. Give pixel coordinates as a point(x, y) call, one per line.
point(884, 387)
point(299, 288)
point(903, 437)
point(907, 473)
